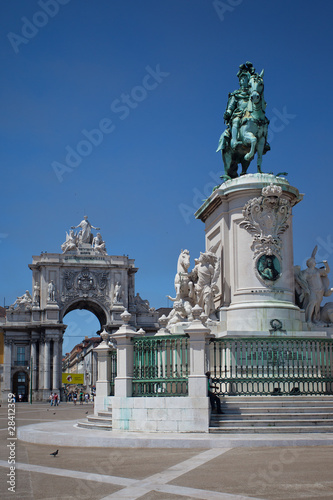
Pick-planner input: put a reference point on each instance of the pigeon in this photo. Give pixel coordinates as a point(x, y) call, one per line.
point(87, 412)
point(54, 413)
point(55, 453)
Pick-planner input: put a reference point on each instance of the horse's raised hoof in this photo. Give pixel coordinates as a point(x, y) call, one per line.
point(248, 157)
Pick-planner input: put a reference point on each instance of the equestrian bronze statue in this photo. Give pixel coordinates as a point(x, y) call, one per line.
point(247, 125)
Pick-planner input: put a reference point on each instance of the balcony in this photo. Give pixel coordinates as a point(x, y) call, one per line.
point(21, 362)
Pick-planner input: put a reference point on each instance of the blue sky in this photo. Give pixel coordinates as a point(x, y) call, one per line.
point(69, 70)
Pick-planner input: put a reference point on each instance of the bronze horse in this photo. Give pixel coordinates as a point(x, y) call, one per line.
point(252, 135)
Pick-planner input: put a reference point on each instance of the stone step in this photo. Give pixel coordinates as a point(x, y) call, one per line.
point(272, 423)
point(271, 430)
point(99, 420)
point(272, 416)
point(277, 409)
point(264, 404)
point(282, 397)
point(105, 414)
point(95, 426)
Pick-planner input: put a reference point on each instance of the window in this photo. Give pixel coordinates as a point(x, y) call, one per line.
point(21, 355)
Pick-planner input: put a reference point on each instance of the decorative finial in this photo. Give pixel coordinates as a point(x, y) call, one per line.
point(126, 316)
point(196, 311)
point(105, 336)
point(163, 321)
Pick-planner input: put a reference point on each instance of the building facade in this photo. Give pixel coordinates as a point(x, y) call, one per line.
point(83, 276)
point(83, 360)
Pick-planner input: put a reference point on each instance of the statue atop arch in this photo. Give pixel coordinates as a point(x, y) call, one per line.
point(24, 301)
point(85, 235)
point(84, 239)
point(247, 125)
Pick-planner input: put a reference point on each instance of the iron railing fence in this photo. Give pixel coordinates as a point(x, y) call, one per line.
point(271, 366)
point(113, 356)
point(161, 366)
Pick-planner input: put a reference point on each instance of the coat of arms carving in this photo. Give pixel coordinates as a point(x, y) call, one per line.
point(85, 280)
point(266, 219)
point(85, 283)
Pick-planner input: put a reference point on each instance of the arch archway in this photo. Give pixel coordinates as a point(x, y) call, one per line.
point(89, 305)
point(82, 277)
point(80, 324)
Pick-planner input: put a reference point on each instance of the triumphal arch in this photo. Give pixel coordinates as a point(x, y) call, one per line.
point(82, 276)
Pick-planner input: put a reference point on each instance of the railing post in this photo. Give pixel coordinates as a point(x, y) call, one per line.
point(103, 367)
point(123, 340)
point(197, 332)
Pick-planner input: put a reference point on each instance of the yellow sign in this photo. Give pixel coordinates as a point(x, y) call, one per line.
point(73, 378)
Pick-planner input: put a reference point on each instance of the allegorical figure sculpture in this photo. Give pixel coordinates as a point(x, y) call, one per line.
point(205, 275)
point(247, 125)
point(22, 301)
point(36, 294)
point(184, 288)
point(77, 242)
point(51, 290)
point(98, 244)
point(71, 242)
point(178, 314)
point(196, 287)
point(117, 293)
point(312, 285)
point(85, 233)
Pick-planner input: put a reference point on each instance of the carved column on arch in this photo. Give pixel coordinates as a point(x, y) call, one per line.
point(47, 367)
point(7, 367)
point(33, 364)
point(60, 342)
point(41, 363)
point(55, 377)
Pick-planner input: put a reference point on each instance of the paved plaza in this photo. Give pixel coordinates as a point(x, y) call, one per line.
point(153, 467)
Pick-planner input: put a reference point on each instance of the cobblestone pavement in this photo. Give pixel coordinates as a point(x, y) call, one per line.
point(154, 473)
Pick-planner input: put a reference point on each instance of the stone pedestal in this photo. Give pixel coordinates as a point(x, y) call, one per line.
point(123, 339)
point(197, 332)
point(104, 367)
point(253, 227)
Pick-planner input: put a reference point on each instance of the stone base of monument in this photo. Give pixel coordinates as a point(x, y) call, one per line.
point(254, 340)
point(162, 414)
point(249, 219)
